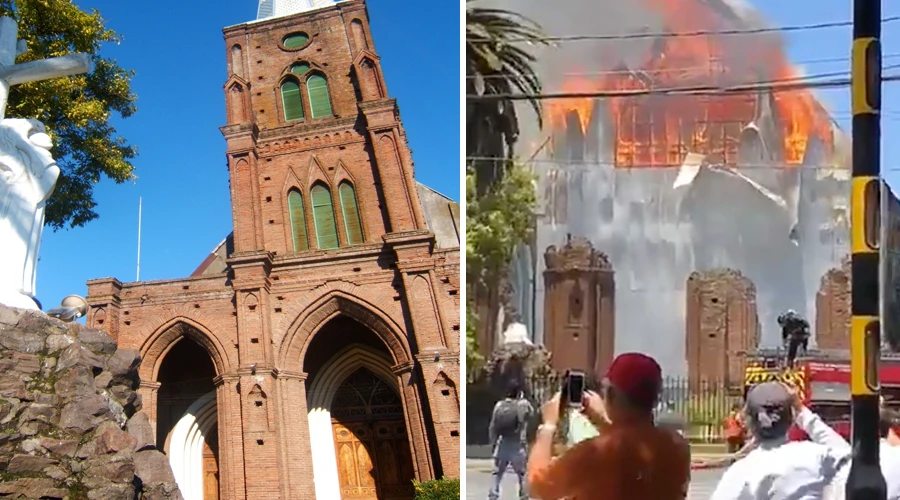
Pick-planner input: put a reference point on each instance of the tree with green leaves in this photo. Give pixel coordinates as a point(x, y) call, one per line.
point(496, 223)
point(75, 109)
point(498, 64)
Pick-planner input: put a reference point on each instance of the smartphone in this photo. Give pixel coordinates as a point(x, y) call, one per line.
point(574, 391)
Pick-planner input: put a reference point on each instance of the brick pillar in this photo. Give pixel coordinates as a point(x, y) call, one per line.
point(149, 392)
point(439, 376)
point(416, 429)
point(257, 401)
point(296, 466)
point(833, 309)
point(231, 444)
point(579, 307)
point(394, 166)
point(721, 325)
point(104, 305)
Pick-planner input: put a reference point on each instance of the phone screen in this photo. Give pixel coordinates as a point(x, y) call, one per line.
point(575, 390)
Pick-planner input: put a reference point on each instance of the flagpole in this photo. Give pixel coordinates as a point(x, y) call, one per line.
point(140, 206)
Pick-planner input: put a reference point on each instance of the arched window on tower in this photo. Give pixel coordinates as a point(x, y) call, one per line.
point(298, 221)
point(290, 98)
point(300, 68)
point(351, 213)
point(319, 99)
point(323, 216)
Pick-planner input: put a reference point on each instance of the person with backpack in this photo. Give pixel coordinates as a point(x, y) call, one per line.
point(508, 433)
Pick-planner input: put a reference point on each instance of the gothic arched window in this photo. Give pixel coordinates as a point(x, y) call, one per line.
point(319, 98)
point(323, 216)
point(290, 98)
point(350, 210)
point(298, 221)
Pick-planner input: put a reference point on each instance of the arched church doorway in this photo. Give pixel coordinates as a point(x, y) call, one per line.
point(187, 418)
point(361, 448)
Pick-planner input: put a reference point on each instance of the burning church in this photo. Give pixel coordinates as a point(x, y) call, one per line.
point(715, 211)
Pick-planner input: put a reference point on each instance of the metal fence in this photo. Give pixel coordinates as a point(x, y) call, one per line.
point(702, 406)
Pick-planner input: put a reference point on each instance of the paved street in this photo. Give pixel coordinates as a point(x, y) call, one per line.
point(478, 483)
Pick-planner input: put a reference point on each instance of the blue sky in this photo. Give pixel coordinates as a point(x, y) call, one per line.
point(177, 50)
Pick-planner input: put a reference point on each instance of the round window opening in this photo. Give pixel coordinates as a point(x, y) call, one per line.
point(295, 40)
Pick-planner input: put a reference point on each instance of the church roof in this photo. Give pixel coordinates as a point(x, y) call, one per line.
point(269, 9)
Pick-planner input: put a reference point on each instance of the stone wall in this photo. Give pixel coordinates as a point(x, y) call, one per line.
point(70, 419)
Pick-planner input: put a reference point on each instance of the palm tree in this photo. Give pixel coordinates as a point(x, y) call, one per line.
point(497, 64)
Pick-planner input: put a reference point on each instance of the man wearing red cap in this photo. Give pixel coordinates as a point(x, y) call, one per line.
point(631, 459)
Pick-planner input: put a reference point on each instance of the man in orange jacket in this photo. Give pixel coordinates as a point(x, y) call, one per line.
point(631, 458)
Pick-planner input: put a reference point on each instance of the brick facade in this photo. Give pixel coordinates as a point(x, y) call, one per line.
point(721, 325)
point(265, 318)
point(579, 305)
point(832, 328)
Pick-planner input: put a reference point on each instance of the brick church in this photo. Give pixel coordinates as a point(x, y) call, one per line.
point(314, 354)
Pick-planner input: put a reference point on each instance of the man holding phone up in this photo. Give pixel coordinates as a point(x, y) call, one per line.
point(630, 459)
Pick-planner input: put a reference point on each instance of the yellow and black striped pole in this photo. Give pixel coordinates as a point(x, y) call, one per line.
point(865, 481)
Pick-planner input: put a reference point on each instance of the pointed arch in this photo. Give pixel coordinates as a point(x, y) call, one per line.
point(297, 216)
point(300, 68)
point(237, 60)
point(319, 403)
point(316, 172)
point(358, 36)
point(350, 212)
point(323, 217)
point(163, 339)
point(329, 305)
point(291, 100)
point(319, 97)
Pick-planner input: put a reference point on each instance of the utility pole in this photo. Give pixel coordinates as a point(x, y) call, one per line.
point(865, 481)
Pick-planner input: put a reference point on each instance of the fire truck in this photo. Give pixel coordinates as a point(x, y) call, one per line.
point(823, 378)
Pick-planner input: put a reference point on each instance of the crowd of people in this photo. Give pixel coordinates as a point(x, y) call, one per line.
point(617, 448)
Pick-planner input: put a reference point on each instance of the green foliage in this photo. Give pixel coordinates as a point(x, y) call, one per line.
point(438, 489)
point(496, 223)
point(75, 109)
point(474, 359)
point(498, 63)
point(494, 51)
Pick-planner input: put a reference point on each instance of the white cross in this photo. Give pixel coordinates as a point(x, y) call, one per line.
point(42, 69)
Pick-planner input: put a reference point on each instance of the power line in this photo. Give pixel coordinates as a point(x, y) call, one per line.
point(551, 161)
point(772, 86)
point(636, 36)
point(669, 70)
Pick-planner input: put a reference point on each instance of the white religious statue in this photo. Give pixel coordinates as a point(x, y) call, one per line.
point(28, 175)
point(516, 333)
point(28, 172)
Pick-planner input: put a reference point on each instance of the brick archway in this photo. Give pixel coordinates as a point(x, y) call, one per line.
point(164, 338)
point(333, 304)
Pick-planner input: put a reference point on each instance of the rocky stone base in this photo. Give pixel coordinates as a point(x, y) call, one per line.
point(70, 420)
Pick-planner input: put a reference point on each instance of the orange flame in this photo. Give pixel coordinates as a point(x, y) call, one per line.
point(659, 130)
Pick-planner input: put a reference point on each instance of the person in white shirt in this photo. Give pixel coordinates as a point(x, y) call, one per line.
point(889, 454)
point(779, 469)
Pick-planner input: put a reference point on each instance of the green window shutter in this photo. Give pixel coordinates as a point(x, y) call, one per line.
point(319, 100)
point(323, 215)
point(351, 214)
point(290, 97)
point(298, 221)
point(300, 69)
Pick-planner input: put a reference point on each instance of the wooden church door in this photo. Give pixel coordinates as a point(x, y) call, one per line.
point(371, 444)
